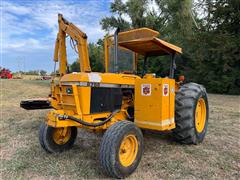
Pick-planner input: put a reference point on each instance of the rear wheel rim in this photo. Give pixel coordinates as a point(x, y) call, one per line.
point(200, 115)
point(128, 150)
point(61, 135)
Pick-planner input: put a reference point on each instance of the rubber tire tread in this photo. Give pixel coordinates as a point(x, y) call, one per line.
point(185, 104)
point(47, 143)
point(109, 149)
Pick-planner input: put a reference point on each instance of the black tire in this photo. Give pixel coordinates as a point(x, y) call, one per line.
point(185, 105)
point(110, 146)
point(47, 142)
point(40, 136)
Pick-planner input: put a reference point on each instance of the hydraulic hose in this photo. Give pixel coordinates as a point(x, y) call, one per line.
point(80, 121)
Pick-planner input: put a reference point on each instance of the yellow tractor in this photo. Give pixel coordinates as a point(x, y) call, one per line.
point(119, 102)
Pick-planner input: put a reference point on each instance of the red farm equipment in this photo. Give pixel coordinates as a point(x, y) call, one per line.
point(5, 73)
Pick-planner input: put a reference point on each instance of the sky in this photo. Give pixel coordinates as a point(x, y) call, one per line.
point(29, 29)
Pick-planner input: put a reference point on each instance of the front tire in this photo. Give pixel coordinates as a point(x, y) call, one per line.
point(191, 114)
point(121, 149)
point(56, 140)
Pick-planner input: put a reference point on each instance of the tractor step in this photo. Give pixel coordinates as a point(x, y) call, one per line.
point(32, 104)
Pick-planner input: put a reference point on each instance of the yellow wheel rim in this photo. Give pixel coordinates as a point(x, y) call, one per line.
point(128, 150)
point(61, 135)
point(200, 115)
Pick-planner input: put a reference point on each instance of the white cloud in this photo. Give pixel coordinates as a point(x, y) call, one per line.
point(126, 17)
point(16, 9)
point(29, 43)
point(152, 6)
point(30, 26)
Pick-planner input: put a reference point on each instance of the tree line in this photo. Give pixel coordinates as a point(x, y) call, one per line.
point(207, 30)
point(33, 72)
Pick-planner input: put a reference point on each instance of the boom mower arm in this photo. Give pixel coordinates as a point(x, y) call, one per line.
point(60, 54)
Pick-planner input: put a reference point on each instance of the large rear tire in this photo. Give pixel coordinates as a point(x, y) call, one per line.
point(56, 140)
point(191, 114)
point(121, 149)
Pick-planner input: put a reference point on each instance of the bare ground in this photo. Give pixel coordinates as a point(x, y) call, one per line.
point(218, 157)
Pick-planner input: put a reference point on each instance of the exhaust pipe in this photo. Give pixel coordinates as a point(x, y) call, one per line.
point(115, 63)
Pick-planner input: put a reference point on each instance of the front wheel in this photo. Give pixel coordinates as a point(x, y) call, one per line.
point(55, 140)
point(121, 149)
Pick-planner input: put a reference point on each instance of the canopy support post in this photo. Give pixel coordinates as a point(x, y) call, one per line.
point(172, 66)
point(144, 65)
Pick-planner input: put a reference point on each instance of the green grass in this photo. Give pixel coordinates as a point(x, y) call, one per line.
point(218, 157)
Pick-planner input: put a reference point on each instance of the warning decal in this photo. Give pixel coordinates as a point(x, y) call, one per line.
point(165, 89)
point(146, 89)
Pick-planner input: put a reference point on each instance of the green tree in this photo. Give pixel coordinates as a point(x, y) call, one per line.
point(75, 66)
point(96, 57)
point(43, 73)
point(218, 48)
point(132, 14)
point(210, 40)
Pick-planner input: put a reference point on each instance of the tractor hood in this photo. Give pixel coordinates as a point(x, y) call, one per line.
point(99, 79)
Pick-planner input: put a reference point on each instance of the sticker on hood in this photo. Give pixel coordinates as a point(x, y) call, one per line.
point(94, 77)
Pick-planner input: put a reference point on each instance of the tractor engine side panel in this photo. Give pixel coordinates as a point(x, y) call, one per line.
point(154, 103)
point(65, 98)
point(105, 99)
